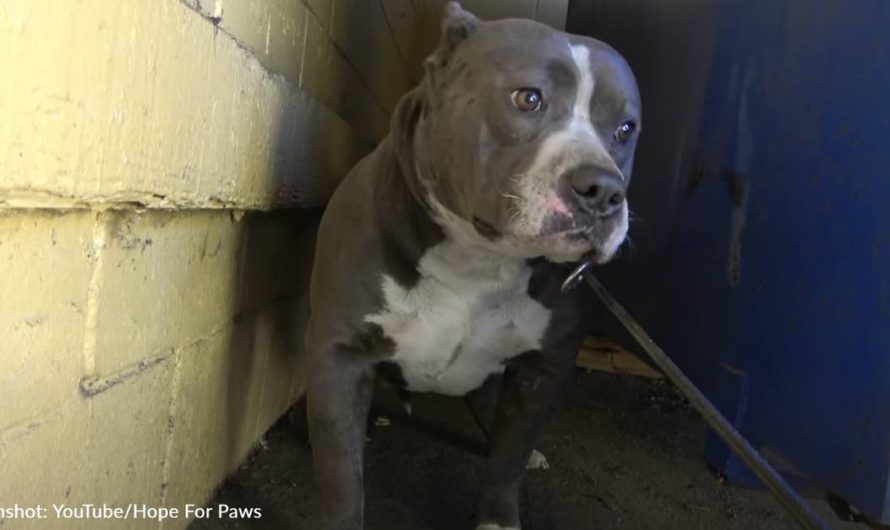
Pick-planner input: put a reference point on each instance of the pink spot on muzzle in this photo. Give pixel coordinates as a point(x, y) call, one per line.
point(556, 205)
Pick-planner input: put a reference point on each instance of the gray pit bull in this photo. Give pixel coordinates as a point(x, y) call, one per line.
point(441, 254)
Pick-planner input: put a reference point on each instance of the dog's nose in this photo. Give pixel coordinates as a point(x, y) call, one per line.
point(599, 191)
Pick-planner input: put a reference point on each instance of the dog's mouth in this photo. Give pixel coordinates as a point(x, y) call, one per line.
point(596, 239)
point(571, 245)
point(581, 245)
point(562, 237)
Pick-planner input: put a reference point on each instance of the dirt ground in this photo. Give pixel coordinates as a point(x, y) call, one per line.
point(625, 454)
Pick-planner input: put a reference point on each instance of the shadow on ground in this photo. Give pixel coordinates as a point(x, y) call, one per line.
point(624, 455)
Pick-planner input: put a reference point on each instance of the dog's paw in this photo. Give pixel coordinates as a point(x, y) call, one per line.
point(537, 461)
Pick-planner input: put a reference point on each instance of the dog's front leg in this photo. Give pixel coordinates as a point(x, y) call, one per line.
point(338, 394)
point(532, 390)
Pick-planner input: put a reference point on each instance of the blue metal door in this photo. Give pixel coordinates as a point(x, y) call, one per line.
point(761, 246)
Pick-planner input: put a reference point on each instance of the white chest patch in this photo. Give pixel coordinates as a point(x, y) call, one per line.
point(467, 314)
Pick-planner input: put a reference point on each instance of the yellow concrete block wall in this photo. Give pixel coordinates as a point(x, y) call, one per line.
point(162, 168)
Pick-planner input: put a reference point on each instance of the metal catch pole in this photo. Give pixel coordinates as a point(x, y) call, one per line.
point(794, 503)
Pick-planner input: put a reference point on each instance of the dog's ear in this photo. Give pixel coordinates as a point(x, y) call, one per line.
point(457, 25)
point(403, 128)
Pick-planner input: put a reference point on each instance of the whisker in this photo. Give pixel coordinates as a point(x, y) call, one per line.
point(507, 195)
point(628, 248)
point(514, 213)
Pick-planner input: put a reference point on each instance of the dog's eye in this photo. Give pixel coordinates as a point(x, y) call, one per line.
point(527, 99)
point(625, 131)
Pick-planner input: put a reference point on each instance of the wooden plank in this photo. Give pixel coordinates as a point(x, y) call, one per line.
point(605, 355)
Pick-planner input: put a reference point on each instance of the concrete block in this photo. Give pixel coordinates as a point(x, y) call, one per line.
point(362, 33)
point(400, 16)
point(39, 112)
point(338, 150)
point(330, 78)
point(278, 251)
point(107, 449)
point(45, 269)
point(169, 278)
point(206, 419)
point(322, 10)
point(170, 431)
point(232, 385)
point(44, 461)
point(282, 328)
point(155, 105)
point(129, 427)
point(319, 148)
point(316, 62)
point(273, 30)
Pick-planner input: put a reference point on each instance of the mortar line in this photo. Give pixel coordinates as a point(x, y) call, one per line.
point(342, 53)
point(26, 426)
point(99, 238)
point(306, 19)
point(260, 402)
point(94, 384)
point(392, 33)
point(172, 427)
point(361, 79)
point(242, 272)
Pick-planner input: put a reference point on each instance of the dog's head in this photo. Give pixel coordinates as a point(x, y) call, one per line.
point(523, 137)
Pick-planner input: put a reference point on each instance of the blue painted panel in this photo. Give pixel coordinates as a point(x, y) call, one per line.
point(762, 199)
